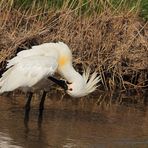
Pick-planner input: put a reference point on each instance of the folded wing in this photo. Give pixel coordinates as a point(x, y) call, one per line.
point(27, 72)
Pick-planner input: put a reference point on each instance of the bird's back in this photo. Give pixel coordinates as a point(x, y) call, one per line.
point(45, 49)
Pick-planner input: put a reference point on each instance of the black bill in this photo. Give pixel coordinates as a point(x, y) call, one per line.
point(61, 83)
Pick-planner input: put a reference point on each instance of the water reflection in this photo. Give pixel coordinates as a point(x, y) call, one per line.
point(73, 123)
point(6, 141)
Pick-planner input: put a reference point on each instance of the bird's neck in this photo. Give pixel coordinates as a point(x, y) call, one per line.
point(69, 73)
point(65, 67)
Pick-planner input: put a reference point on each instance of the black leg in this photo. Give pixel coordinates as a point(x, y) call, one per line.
point(41, 108)
point(29, 97)
point(27, 107)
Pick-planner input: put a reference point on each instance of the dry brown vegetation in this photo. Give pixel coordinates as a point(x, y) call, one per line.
point(113, 43)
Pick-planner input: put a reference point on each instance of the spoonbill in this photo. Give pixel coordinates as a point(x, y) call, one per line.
point(31, 69)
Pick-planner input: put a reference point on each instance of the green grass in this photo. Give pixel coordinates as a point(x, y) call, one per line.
point(88, 6)
point(144, 9)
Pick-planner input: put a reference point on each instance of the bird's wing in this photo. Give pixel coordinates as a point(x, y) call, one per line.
point(28, 72)
point(46, 49)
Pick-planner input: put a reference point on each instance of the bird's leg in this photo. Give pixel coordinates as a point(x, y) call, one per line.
point(27, 107)
point(29, 97)
point(41, 108)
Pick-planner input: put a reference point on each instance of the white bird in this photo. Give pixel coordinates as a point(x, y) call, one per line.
point(33, 66)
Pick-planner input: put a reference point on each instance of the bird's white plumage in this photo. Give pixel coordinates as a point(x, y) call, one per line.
point(28, 72)
point(30, 67)
point(91, 84)
point(46, 49)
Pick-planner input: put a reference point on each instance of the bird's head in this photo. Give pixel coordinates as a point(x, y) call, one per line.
point(77, 85)
point(83, 85)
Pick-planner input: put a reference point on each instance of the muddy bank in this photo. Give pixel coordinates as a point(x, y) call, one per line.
point(95, 102)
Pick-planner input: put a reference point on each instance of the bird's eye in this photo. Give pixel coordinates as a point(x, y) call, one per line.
point(70, 89)
point(68, 82)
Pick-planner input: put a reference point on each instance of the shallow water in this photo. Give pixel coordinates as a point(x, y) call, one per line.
point(70, 124)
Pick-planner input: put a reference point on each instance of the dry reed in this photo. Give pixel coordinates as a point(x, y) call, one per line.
point(109, 40)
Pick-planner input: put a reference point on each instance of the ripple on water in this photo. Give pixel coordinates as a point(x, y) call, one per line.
point(7, 142)
point(70, 126)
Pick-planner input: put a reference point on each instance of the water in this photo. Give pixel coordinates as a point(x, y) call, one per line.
point(73, 124)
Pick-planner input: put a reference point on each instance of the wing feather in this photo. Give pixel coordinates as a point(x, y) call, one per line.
point(29, 71)
point(46, 49)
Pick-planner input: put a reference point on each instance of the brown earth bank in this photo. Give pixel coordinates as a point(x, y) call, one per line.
point(92, 103)
point(116, 45)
